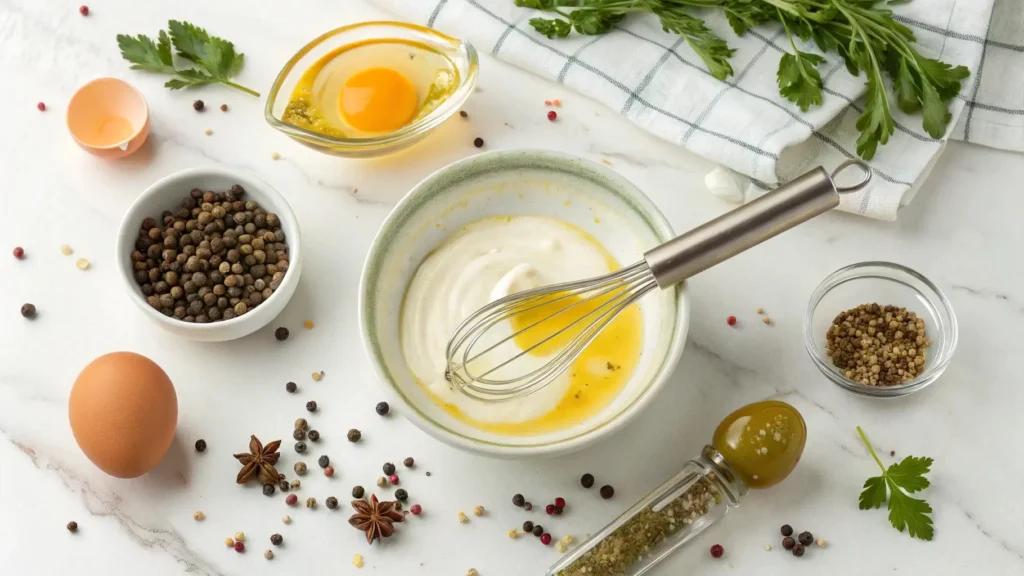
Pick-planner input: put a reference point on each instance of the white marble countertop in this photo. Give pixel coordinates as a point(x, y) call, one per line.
point(963, 230)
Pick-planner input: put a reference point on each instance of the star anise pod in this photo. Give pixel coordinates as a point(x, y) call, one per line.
point(259, 462)
point(375, 518)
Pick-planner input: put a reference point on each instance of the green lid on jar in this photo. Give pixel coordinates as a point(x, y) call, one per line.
point(762, 442)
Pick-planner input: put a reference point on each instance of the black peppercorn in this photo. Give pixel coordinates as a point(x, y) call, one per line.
point(299, 434)
point(518, 500)
point(324, 461)
point(401, 494)
point(72, 526)
point(788, 542)
point(200, 445)
point(354, 435)
point(383, 408)
point(463, 113)
point(478, 142)
point(283, 485)
point(408, 462)
point(29, 311)
point(311, 405)
point(300, 447)
point(607, 492)
point(558, 510)
point(526, 505)
point(538, 530)
point(281, 334)
point(268, 489)
point(314, 436)
point(805, 538)
point(332, 502)
point(527, 526)
point(786, 530)
point(291, 387)
point(276, 539)
point(357, 491)
point(198, 105)
point(389, 468)
point(798, 550)
point(587, 480)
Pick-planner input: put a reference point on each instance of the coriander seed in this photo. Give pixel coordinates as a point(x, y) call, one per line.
point(478, 510)
point(239, 536)
point(198, 516)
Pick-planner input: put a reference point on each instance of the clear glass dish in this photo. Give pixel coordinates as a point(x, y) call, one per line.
point(881, 283)
point(460, 52)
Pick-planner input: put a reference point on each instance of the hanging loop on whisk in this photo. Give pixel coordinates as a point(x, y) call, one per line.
point(865, 179)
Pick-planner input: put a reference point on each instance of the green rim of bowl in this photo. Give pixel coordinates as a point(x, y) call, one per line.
point(488, 163)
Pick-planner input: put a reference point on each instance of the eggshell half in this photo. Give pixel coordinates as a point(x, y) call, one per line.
point(123, 412)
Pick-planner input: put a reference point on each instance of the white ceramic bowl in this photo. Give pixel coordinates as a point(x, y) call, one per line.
point(509, 183)
point(166, 194)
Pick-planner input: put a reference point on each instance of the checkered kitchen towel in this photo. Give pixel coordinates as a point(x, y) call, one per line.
point(655, 80)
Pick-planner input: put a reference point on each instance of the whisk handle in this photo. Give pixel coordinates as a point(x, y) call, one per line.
point(793, 203)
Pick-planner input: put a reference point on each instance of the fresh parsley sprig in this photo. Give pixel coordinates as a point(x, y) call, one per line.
point(215, 59)
point(863, 32)
point(897, 481)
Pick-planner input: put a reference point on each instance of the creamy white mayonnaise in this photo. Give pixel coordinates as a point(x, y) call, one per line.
point(484, 261)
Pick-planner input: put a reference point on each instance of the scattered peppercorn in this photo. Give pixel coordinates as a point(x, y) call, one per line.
point(382, 481)
point(239, 536)
point(463, 519)
point(354, 435)
point(798, 550)
point(463, 113)
point(41, 106)
point(805, 538)
point(314, 436)
point(200, 445)
point(607, 492)
point(558, 510)
point(587, 480)
point(416, 509)
point(478, 142)
point(229, 542)
point(311, 406)
point(239, 547)
point(428, 473)
point(513, 533)
point(357, 492)
point(268, 489)
point(300, 447)
point(296, 484)
point(324, 461)
point(731, 320)
point(308, 324)
point(268, 554)
point(332, 502)
point(408, 462)
point(788, 542)
point(300, 468)
point(383, 408)
point(552, 115)
point(198, 516)
point(393, 478)
point(821, 542)
point(311, 503)
point(299, 434)
point(28, 311)
point(286, 519)
point(527, 506)
point(550, 509)
point(527, 526)
point(717, 551)
point(786, 530)
point(538, 530)
point(892, 453)
point(301, 423)
point(878, 345)
point(478, 510)
point(223, 107)
point(284, 485)
point(559, 502)
point(291, 387)
point(518, 500)
point(83, 10)
point(401, 495)
point(276, 539)
point(318, 375)
point(72, 526)
point(198, 105)
point(19, 252)
point(545, 538)
point(389, 468)
point(281, 334)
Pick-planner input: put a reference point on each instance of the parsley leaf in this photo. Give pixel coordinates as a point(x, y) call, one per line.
point(905, 512)
point(215, 59)
point(551, 28)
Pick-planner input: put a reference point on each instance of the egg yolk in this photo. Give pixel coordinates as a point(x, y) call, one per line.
point(377, 100)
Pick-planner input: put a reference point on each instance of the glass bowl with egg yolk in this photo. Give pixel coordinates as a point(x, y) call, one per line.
point(372, 88)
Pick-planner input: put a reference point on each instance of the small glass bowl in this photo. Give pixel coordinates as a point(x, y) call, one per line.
point(460, 52)
point(882, 283)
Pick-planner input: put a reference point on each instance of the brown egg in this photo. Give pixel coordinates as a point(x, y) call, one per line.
point(123, 412)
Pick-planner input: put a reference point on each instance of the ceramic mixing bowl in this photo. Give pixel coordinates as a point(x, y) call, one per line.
point(513, 183)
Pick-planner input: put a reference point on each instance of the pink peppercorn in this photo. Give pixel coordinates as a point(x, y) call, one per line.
point(329, 471)
point(717, 551)
point(545, 538)
point(558, 510)
point(416, 509)
point(731, 320)
point(19, 252)
point(552, 115)
point(393, 478)
point(41, 106)
point(559, 502)
point(83, 10)
point(550, 509)
point(291, 499)
point(239, 547)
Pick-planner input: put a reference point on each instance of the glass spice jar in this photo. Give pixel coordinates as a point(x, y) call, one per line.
point(756, 446)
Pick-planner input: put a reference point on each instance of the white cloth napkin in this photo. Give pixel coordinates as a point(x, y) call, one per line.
point(654, 79)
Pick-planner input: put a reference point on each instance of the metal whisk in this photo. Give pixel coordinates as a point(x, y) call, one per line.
point(483, 360)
